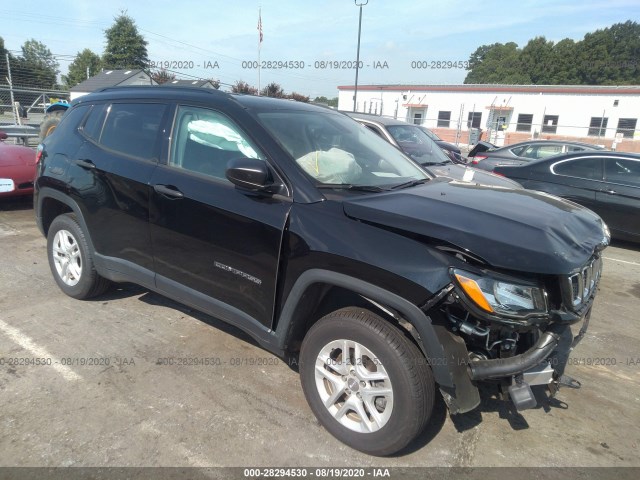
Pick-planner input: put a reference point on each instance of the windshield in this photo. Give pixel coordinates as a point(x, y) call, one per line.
point(416, 143)
point(430, 134)
point(336, 150)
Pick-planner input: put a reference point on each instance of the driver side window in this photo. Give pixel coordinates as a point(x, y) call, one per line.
point(204, 141)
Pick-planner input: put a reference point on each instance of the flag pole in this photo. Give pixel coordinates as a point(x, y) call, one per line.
point(259, 43)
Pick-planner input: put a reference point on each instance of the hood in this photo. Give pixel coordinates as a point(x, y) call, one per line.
point(517, 230)
point(472, 175)
point(12, 155)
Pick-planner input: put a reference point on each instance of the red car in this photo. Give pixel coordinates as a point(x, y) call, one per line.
point(17, 169)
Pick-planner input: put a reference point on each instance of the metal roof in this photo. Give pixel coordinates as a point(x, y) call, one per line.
point(108, 78)
point(478, 88)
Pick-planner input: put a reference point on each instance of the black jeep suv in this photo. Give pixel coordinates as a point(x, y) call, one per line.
point(320, 239)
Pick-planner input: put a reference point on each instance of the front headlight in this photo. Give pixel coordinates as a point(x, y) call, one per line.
point(501, 297)
point(607, 233)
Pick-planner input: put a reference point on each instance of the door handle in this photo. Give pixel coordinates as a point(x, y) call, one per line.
point(168, 191)
point(88, 164)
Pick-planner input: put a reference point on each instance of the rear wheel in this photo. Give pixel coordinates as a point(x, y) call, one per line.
point(367, 383)
point(71, 260)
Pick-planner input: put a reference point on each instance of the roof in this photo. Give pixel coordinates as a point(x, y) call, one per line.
point(189, 83)
point(543, 142)
point(375, 118)
point(252, 102)
point(477, 88)
point(107, 78)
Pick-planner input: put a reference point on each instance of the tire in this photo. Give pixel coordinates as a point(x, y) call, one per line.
point(71, 259)
point(382, 359)
point(50, 122)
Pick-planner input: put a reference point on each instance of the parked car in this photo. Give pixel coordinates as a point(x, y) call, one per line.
point(414, 142)
point(326, 244)
point(606, 182)
point(450, 149)
point(487, 156)
point(17, 169)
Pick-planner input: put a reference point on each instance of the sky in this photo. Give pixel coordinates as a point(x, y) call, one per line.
point(402, 41)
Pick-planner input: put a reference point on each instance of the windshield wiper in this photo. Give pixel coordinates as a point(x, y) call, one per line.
point(410, 183)
point(431, 164)
point(348, 186)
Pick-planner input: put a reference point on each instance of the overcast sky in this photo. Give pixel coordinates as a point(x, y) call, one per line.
point(396, 32)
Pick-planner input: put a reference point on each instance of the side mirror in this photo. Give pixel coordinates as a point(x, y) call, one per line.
point(3, 136)
point(249, 173)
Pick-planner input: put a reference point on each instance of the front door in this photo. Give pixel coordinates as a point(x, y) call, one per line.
point(215, 247)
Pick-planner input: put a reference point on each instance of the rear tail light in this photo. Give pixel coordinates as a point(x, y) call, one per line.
point(477, 158)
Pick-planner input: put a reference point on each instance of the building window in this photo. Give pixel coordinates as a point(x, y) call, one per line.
point(443, 119)
point(417, 119)
point(550, 124)
point(524, 122)
point(473, 120)
point(615, 103)
point(626, 126)
point(598, 126)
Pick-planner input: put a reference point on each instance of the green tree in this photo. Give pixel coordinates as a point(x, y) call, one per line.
point(162, 76)
point(331, 102)
point(3, 61)
point(298, 97)
point(535, 61)
point(273, 90)
point(243, 87)
point(36, 67)
point(564, 61)
point(85, 60)
point(126, 47)
point(497, 63)
point(608, 56)
point(611, 56)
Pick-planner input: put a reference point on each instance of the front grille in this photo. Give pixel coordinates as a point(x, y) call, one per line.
point(580, 286)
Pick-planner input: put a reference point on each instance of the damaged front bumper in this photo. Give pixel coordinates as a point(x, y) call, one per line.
point(542, 364)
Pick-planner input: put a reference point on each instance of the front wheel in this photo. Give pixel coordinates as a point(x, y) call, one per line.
point(366, 382)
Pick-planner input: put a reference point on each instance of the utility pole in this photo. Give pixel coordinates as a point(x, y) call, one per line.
point(13, 104)
point(355, 93)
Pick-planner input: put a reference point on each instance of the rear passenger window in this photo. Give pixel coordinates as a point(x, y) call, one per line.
point(73, 116)
point(205, 141)
point(133, 128)
point(590, 168)
point(623, 172)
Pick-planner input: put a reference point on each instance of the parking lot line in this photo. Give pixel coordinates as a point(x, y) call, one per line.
point(37, 351)
point(622, 261)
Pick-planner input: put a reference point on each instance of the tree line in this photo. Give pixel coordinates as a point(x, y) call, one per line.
point(608, 56)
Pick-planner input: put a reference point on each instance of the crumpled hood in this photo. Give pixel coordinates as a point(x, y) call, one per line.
point(511, 229)
point(473, 175)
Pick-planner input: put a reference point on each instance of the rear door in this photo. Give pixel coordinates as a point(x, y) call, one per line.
point(575, 179)
point(620, 195)
point(113, 169)
point(215, 247)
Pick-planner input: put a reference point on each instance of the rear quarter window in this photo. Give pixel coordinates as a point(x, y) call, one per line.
point(72, 118)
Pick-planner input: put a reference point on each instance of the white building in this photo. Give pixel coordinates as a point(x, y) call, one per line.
point(111, 78)
point(509, 113)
